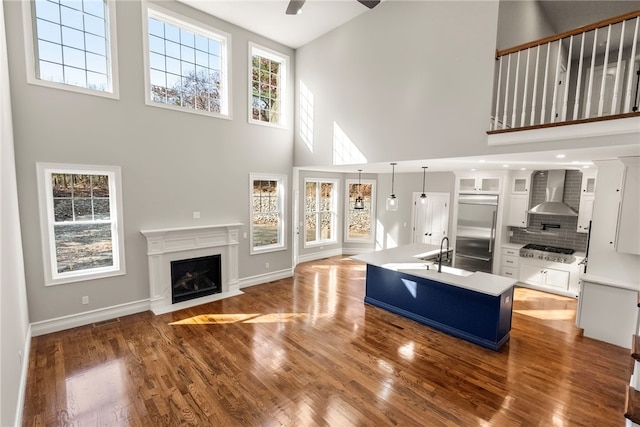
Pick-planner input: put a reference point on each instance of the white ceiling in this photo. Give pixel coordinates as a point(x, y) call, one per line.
point(268, 18)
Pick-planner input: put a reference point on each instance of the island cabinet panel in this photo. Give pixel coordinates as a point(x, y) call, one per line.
point(477, 317)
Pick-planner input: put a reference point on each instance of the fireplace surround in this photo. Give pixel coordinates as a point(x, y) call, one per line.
point(168, 245)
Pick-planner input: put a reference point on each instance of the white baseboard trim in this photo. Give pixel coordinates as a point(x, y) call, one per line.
point(319, 255)
point(23, 377)
point(264, 278)
point(356, 251)
point(88, 317)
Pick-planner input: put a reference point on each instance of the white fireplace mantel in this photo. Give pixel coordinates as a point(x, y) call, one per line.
point(174, 244)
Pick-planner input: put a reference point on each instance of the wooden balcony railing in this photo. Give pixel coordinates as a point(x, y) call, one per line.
point(587, 74)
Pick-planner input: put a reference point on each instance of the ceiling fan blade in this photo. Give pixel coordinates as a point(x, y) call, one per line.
point(294, 7)
point(369, 3)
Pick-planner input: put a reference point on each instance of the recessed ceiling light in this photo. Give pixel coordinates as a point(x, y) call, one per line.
point(523, 169)
point(481, 161)
point(473, 170)
point(561, 156)
point(505, 166)
point(585, 167)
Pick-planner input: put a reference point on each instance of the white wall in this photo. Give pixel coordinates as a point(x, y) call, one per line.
point(14, 320)
point(173, 163)
point(521, 21)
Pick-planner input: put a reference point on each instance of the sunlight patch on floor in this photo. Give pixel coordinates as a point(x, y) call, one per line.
point(548, 314)
point(219, 319)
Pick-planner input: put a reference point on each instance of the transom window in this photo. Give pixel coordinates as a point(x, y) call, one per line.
point(73, 44)
point(187, 64)
point(359, 222)
point(81, 220)
point(268, 73)
point(320, 205)
point(267, 212)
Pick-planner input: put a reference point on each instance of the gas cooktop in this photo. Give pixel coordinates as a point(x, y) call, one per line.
point(549, 253)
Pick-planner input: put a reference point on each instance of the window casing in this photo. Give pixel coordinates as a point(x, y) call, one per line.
point(320, 211)
point(267, 225)
point(71, 45)
point(359, 223)
point(268, 72)
point(81, 222)
point(186, 64)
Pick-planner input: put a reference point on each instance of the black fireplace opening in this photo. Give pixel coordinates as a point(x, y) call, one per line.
point(195, 277)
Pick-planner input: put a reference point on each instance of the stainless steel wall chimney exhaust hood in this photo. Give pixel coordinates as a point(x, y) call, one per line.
point(553, 204)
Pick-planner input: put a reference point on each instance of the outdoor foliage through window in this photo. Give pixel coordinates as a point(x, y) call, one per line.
point(72, 43)
point(359, 220)
point(266, 75)
point(186, 68)
point(319, 211)
point(266, 213)
point(82, 221)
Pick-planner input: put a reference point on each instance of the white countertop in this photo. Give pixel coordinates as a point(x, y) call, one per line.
point(406, 259)
point(606, 281)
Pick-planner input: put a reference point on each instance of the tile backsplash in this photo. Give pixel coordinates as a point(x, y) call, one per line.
point(566, 236)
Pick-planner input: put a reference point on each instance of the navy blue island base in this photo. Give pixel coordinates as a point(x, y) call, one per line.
point(477, 317)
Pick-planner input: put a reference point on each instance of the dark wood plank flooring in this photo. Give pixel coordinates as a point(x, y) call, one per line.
point(307, 351)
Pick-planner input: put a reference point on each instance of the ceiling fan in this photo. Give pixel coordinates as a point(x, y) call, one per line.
point(295, 6)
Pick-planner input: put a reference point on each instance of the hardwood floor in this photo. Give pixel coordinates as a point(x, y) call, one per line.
point(307, 351)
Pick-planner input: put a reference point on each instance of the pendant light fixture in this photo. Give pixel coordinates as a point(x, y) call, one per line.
point(392, 202)
point(423, 196)
point(359, 204)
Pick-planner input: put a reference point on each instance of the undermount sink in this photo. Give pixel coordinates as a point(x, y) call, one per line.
point(403, 266)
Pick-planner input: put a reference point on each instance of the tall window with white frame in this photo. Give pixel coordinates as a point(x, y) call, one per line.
point(359, 222)
point(72, 45)
point(81, 218)
point(186, 64)
point(268, 74)
point(320, 199)
point(267, 193)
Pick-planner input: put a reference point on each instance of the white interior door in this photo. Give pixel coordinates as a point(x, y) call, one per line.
point(609, 93)
point(430, 220)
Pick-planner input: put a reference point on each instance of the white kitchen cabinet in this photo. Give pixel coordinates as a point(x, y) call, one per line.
point(628, 230)
point(551, 276)
point(509, 263)
point(520, 182)
point(479, 184)
point(518, 206)
point(587, 197)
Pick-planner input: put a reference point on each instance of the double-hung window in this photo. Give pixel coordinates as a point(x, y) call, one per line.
point(71, 44)
point(81, 222)
point(359, 222)
point(320, 205)
point(268, 77)
point(267, 194)
point(186, 64)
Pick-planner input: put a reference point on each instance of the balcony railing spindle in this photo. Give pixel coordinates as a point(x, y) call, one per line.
point(567, 77)
point(543, 109)
point(576, 106)
point(603, 81)
point(497, 111)
point(627, 102)
point(535, 87)
point(515, 92)
point(506, 92)
point(616, 84)
point(526, 86)
point(587, 112)
point(555, 85)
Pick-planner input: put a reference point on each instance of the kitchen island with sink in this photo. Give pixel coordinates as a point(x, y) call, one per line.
point(474, 306)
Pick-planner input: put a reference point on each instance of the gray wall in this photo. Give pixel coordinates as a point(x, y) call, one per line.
point(173, 163)
point(401, 79)
point(521, 21)
point(14, 319)
point(394, 227)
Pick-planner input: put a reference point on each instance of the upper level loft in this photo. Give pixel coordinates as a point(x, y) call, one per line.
point(583, 76)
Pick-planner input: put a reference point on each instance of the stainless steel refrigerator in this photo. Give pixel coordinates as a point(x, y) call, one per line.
point(476, 232)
